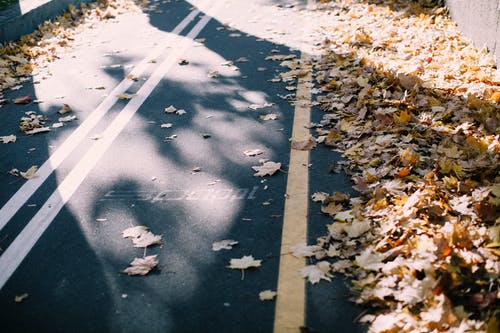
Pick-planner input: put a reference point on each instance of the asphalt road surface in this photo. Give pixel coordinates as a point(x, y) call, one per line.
point(115, 167)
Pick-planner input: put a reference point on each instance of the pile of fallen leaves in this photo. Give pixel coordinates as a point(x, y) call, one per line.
point(20, 59)
point(413, 107)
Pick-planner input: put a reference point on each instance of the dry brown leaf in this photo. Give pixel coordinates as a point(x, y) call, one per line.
point(266, 169)
point(142, 266)
point(141, 236)
point(244, 262)
point(253, 152)
point(23, 99)
point(30, 173)
point(126, 96)
point(269, 116)
point(303, 144)
point(267, 295)
point(21, 298)
point(315, 273)
point(226, 244)
point(65, 109)
point(259, 106)
point(8, 138)
point(331, 208)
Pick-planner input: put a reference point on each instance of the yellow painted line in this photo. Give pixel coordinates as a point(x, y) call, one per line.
point(290, 303)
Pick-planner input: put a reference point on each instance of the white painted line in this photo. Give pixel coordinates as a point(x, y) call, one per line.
point(24, 242)
point(28, 189)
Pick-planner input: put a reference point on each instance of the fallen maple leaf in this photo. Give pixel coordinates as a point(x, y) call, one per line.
point(23, 99)
point(267, 295)
point(213, 74)
point(226, 244)
point(303, 144)
point(38, 130)
point(331, 208)
point(266, 169)
point(126, 96)
point(269, 116)
point(315, 273)
point(30, 173)
point(253, 152)
point(170, 109)
point(21, 298)
point(409, 82)
point(259, 106)
point(67, 118)
point(142, 266)
point(141, 236)
point(244, 262)
point(8, 138)
point(65, 109)
point(319, 196)
point(302, 250)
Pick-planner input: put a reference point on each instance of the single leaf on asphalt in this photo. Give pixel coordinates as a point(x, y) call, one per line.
point(8, 138)
point(226, 244)
point(134, 232)
point(315, 273)
point(170, 109)
point(142, 266)
point(126, 96)
point(266, 169)
point(244, 262)
point(67, 118)
point(30, 173)
point(23, 99)
point(141, 236)
point(213, 74)
point(38, 130)
point(21, 298)
point(65, 109)
point(259, 106)
point(252, 152)
point(147, 239)
point(267, 295)
point(269, 116)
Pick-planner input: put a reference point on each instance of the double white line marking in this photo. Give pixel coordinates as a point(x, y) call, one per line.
point(24, 242)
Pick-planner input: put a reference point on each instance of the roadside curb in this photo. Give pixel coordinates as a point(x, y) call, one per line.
point(25, 16)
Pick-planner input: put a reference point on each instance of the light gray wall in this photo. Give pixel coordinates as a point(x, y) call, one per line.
point(479, 20)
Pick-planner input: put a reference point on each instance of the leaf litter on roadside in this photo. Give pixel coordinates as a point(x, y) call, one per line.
point(419, 130)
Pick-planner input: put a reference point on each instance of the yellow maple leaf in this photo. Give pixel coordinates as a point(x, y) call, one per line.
point(402, 117)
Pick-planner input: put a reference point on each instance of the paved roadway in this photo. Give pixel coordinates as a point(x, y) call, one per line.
point(115, 167)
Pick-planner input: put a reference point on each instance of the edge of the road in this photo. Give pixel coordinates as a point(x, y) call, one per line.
point(24, 16)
